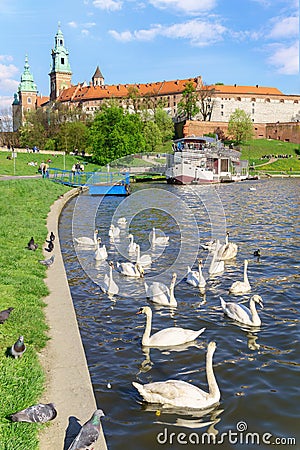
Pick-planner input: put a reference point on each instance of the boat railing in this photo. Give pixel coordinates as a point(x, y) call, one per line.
point(88, 178)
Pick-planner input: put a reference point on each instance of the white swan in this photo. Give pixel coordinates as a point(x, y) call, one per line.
point(158, 240)
point(180, 394)
point(144, 260)
point(168, 337)
point(216, 266)
point(122, 221)
point(209, 245)
point(101, 252)
point(132, 245)
point(228, 250)
point(87, 241)
point(130, 269)
point(161, 294)
point(241, 287)
point(113, 231)
point(195, 277)
point(108, 286)
point(241, 313)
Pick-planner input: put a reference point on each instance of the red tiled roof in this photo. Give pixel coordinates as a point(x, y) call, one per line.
point(236, 89)
point(84, 92)
point(41, 101)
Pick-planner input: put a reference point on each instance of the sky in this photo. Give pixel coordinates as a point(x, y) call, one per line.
point(243, 42)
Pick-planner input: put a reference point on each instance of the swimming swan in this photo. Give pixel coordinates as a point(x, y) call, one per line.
point(132, 245)
point(144, 260)
point(241, 287)
point(113, 231)
point(108, 286)
point(159, 240)
point(130, 269)
point(168, 337)
point(216, 266)
point(101, 252)
point(181, 394)
point(228, 250)
point(161, 294)
point(195, 277)
point(241, 313)
point(122, 221)
point(87, 241)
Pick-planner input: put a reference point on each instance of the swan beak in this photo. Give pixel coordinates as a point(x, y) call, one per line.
point(139, 312)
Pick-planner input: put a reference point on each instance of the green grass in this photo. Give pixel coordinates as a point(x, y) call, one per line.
point(254, 151)
point(24, 206)
point(20, 165)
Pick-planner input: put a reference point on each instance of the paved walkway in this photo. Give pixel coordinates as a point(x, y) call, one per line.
point(68, 383)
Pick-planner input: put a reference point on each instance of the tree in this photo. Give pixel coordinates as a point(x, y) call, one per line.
point(240, 126)
point(165, 124)
point(187, 106)
point(206, 102)
point(71, 136)
point(153, 136)
point(115, 133)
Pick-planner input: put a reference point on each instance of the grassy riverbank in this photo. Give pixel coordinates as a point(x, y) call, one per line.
point(24, 208)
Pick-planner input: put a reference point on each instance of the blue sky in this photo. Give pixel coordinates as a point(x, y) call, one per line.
point(246, 42)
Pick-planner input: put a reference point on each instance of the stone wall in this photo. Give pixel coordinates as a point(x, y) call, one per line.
point(288, 132)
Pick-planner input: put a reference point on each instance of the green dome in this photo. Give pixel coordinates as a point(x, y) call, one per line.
point(27, 83)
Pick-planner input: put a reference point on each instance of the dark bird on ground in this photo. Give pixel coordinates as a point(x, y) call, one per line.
point(47, 262)
point(50, 246)
point(32, 245)
point(89, 432)
point(41, 413)
point(4, 315)
point(18, 348)
point(52, 236)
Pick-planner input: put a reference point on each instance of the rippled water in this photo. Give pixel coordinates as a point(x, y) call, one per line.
point(257, 370)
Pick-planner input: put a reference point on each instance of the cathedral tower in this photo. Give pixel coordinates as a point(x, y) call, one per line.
point(25, 99)
point(60, 74)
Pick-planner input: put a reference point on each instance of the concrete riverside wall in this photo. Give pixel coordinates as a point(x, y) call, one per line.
point(68, 383)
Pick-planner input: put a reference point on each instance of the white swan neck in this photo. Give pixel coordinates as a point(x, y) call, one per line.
point(172, 296)
point(146, 335)
point(211, 380)
point(255, 317)
point(245, 273)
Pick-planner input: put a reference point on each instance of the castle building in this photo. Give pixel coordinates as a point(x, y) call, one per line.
point(265, 105)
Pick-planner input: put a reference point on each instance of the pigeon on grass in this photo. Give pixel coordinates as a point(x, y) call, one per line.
point(32, 245)
point(88, 433)
point(18, 348)
point(4, 315)
point(47, 262)
point(41, 413)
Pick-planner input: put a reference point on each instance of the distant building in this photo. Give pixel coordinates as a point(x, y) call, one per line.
point(265, 105)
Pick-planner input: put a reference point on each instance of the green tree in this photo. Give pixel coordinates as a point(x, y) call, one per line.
point(165, 124)
point(153, 136)
point(71, 136)
point(115, 133)
point(187, 106)
point(240, 126)
point(206, 102)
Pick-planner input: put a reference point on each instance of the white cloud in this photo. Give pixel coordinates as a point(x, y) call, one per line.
point(109, 5)
point(5, 105)
point(6, 58)
point(85, 32)
point(285, 27)
point(199, 32)
point(285, 58)
point(124, 36)
point(73, 24)
point(187, 6)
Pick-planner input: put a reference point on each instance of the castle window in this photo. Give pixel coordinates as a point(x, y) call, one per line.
point(222, 113)
point(252, 110)
point(62, 60)
point(28, 100)
point(61, 42)
point(267, 100)
point(295, 101)
point(222, 106)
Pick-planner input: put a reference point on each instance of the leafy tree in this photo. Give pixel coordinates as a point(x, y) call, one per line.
point(153, 136)
point(187, 106)
point(72, 135)
point(206, 102)
point(240, 126)
point(165, 124)
point(115, 133)
point(33, 131)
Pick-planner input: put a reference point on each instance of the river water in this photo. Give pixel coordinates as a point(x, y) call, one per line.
point(257, 369)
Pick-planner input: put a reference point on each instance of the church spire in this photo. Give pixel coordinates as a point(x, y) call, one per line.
point(60, 73)
point(27, 83)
